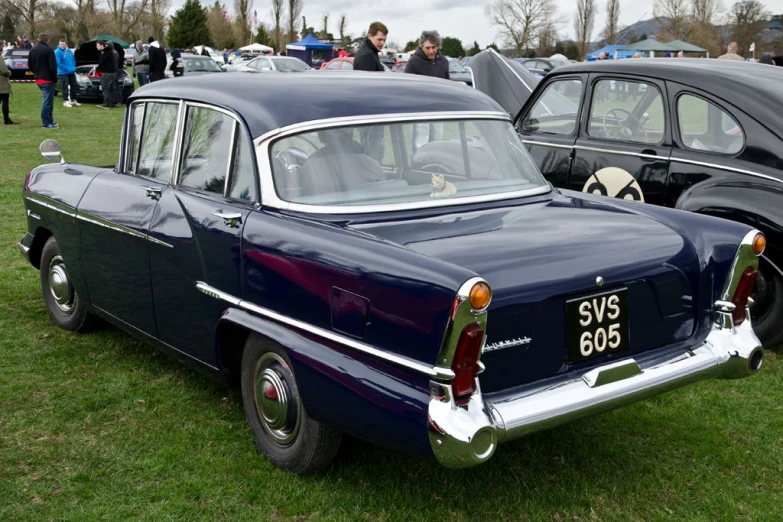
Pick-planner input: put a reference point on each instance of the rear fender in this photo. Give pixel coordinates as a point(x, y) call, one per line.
point(355, 393)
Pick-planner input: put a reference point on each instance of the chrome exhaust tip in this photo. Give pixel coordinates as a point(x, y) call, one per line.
point(739, 365)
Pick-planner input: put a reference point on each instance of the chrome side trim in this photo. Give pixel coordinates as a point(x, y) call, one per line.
point(399, 360)
point(726, 168)
point(101, 222)
point(544, 144)
point(621, 152)
point(51, 204)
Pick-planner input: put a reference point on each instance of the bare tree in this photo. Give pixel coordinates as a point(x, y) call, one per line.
point(325, 29)
point(584, 21)
point(294, 10)
point(703, 11)
point(674, 17)
point(124, 19)
point(703, 33)
point(242, 22)
point(341, 28)
point(520, 21)
point(28, 10)
point(219, 28)
point(612, 22)
point(156, 18)
point(277, 15)
point(748, 20)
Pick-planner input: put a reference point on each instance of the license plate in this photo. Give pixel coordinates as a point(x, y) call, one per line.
point(28, 73)
point(597, 325)
point(100, 87)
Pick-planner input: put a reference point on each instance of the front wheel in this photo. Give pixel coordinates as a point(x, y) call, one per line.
point(281, 428)
point(65, 306)
point(767, 310)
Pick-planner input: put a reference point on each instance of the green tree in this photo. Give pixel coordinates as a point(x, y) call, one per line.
point(493, 46)
point(411, 46)
point(8, 28)
point(475, 49)
point(265, 37)
point(189, 26)
point(220, 30)
point(572, 52)
point(452, 47)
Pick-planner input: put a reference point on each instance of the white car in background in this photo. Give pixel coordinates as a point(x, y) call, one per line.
point(270, 63)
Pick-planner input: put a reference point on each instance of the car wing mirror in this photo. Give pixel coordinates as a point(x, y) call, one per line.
point(50, 150)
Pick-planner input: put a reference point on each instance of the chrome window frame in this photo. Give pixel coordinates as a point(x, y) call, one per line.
point(717, 106)
point(269, 197)
point(177, 133)
point(580, 107)
point(589, 112)
point(128, 145)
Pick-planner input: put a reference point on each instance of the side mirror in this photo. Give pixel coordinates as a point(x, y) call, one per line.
point(50, 150)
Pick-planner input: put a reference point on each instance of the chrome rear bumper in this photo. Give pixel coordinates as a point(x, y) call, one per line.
point(467, 435)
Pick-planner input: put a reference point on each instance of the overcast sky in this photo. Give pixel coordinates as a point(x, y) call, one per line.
point(463, 19)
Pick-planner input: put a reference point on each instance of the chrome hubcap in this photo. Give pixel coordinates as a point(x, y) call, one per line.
point(276, 399)
point(60, 286)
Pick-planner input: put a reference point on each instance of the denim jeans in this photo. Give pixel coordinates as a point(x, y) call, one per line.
point(47, 103)
point(66, 81)
point(144, 79)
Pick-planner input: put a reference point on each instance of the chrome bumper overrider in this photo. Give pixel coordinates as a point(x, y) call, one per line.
point(467, 435)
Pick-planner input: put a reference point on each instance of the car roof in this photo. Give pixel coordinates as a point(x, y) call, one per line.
point(720, 78)
point(270, 101)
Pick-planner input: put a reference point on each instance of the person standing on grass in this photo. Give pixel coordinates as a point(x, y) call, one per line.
point(43, 63)
point(66, 70)
point(108, 69)
point(5, 91)
point(141, 64)
point(157, 60)
point(120, 64)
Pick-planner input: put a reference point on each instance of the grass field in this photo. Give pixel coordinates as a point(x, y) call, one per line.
point(103, 427)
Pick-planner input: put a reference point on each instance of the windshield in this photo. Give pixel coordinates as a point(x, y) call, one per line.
point(199, 64)
point(456, 67)
point(402, 163)
point(290, 64)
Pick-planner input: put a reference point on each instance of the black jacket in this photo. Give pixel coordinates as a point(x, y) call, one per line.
point(157, 61)
point(420, 64)
point(43, 63)
point(366, 58)
point(106, 63)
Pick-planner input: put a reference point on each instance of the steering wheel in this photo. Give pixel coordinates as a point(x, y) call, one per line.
point(292, 158)
point(624, 130)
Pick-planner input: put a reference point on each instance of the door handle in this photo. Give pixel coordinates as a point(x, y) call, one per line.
point(230, 219)
point(648, 154)
point(152, 192)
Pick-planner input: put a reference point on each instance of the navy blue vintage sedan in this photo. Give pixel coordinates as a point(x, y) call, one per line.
point(321, 255)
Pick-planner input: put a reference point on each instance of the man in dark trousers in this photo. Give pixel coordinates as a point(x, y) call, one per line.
point(367, 56)
point(157, 60)
point(120, 64)
point(427, 60)
point(108, 69)
point(43, 63)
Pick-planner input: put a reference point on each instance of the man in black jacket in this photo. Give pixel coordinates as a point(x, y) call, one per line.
point(43, 63)
point(427, 59)
point(366, 58)
point(157, 60)
point(107, 66)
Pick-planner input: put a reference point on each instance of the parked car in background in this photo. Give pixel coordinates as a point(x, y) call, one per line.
point(668, 132)
point(89, 82)
point(542, 66)
point(16, 60)
point(129, 56)
point(344, 64)
point(458, 73)
point(236, 61)
point(395, 268)
point(387, 60)
point(273, 64)
point(194, 65)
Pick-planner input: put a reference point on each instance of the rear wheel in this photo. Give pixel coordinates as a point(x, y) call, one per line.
point(65, 306)
point(281, 428)
point(767, 310)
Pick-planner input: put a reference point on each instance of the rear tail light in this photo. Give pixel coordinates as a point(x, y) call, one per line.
point(27, 181)
point(465, 364)
point(741, 295)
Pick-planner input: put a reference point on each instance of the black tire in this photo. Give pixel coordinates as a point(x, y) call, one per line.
point(66, 308)
point(285, 434)
point(767, 311)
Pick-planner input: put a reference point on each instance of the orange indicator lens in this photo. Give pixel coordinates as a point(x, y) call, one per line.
point(759, 243)
point(479, 296)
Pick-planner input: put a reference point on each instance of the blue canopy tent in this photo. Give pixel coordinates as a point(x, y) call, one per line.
point(612, 52)
point(310, 51)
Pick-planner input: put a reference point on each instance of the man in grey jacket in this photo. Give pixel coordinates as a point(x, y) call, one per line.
point(141, 64)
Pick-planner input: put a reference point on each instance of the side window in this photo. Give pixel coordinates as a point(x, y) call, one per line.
point(334, 66)
point(626, 111)
point(206, 149)
point(137, 119)
point(241, 183)
point(556, 110)
point(157, 144)
point(263, 65)
point(705, 126)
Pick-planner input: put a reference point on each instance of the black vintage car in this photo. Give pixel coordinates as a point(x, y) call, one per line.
point(691, 134)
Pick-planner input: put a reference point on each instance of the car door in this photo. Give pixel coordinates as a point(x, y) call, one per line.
point(548, 127)
point(202, 216)
point(114, 216)
point(624, 141)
